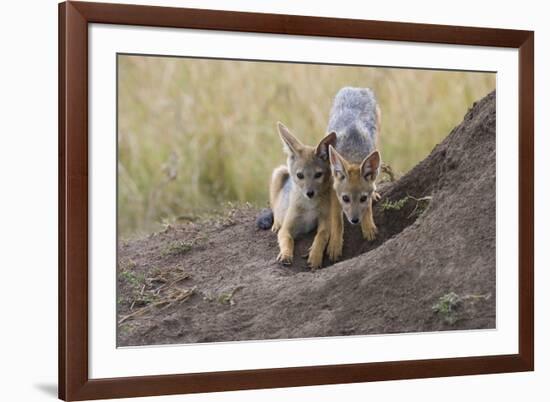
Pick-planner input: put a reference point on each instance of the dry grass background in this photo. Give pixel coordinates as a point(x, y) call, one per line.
point(195, 134)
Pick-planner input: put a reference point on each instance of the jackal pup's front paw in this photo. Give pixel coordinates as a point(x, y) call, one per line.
point(369, 232)
point(315, 259)
point(334, 248)
point(376, 196)
point(285, 257)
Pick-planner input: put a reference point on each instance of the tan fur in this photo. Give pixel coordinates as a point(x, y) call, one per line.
point(285, 235)
point(355, 182)
point(336, 239)
point(317, 249)
point(278, 178)
point(368, 228)
point(301, 210)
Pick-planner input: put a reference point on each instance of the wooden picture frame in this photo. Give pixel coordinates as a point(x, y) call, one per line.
point(74, 381)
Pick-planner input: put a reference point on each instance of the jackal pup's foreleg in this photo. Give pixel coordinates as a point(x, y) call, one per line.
point(285, 239)
point(367, 223)
point(317, 249)
point(336, 237)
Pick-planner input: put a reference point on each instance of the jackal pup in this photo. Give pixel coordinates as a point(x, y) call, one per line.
point(355, 163)
point(300, 196)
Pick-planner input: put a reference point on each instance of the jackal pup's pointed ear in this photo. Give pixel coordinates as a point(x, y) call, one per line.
point(291, 144)
point(370, 167)
point(338, 164)
point(322, 148)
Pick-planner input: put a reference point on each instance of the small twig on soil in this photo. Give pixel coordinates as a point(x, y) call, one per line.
point(179, 279)
point(137, 312)
point(426, 198)
point(477, 297)
point(166, 287)
point(418, 202)
point(135, 300)
point(181, 297)
point(227, 298)
point(159, 278)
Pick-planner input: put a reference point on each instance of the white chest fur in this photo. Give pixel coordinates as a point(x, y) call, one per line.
point(308, 216)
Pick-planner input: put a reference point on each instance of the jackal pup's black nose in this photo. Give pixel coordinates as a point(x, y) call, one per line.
point(355, 221)
point(310, 194)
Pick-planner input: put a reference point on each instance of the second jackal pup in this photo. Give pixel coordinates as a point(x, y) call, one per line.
point(355, 163)
point(300, 196)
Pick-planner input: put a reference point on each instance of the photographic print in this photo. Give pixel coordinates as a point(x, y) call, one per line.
point(252, 200)
point(276, 200)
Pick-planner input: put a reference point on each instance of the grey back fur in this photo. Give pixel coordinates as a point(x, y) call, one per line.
point(353, 118)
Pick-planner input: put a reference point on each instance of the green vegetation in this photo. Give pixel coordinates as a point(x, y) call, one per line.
point(178, 248)
point(134, 279)
point(420, 206)
point(227, 298)
point(446, 307)
point(388, 205)
point(137, 284)
point(195, 133)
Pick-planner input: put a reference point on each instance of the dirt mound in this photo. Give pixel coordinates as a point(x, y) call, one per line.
point(431, 268)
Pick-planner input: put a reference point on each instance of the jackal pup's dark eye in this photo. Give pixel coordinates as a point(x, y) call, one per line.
point(363, 198)
point(300, 175)
point(346, 199)
point(318, 174)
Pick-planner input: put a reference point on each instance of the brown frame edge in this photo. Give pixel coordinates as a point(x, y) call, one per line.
point(74, 382)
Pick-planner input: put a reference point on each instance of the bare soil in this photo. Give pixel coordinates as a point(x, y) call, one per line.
point(431, 268)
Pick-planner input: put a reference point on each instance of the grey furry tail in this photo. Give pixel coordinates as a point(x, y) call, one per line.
point(264, 220)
